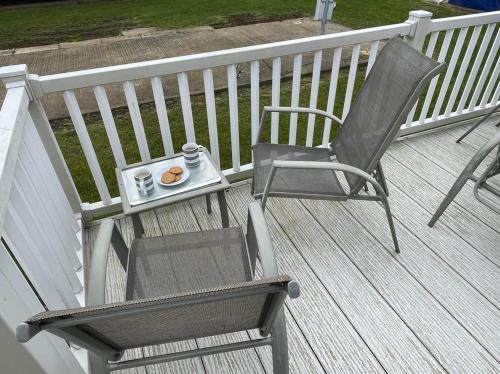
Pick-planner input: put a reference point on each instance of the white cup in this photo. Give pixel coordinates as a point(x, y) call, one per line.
point(191, 152)
point(144, 182)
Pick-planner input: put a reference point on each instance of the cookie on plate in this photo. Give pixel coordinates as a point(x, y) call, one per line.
point(168, 178)
point(175, 170)
point(178, 177)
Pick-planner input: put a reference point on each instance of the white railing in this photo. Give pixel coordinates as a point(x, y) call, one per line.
point(40, 249)
point(469, 87)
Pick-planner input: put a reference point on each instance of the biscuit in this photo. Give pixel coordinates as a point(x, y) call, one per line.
point(178, 177)
point(176, 170)
point(167, 178)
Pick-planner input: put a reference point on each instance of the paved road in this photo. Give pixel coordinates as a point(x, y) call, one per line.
point(140, 46)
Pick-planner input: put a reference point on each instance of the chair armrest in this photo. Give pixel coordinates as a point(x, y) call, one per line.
point(321, 165)
point(108, 234)
point(271, 109)
point(257, 227)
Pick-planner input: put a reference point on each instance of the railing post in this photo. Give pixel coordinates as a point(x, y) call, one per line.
point(17, 76)
point(420, 21)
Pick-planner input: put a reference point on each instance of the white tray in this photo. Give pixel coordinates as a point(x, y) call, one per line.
point(203, 175)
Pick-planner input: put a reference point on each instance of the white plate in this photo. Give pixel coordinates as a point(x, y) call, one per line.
point(185, 176)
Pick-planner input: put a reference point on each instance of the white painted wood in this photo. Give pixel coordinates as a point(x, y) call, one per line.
point(475, 67)
point(275, 98)
point(492, 57)
point(135, 116)
point(373, 55)
point(496, 95)
point(254, 99)
point(332, 93)
point(86, 143)
point(350, 81)
point(434, 81)
point(12, 121)
point(296, 76)
point(149, 69)
point(182, 80)
point(52, 224)
point(449, 72)
point(464, 21)
point(208, 82)
point(54, 195)
point(491, 84)
point(109, 125)
point(313, 98)
point(429, 52)
point(464, 64)
point(18, 303)
point(232, 86)
point(161, 111)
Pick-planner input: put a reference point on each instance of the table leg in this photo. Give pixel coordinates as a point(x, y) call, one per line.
point(221, 196)
point(209, 204)
point(138, 228)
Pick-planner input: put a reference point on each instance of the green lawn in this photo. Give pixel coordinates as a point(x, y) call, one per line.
point(61, 23)
point(353, 13)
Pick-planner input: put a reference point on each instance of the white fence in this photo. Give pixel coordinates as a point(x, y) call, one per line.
point(40, 248)
point(469, 44)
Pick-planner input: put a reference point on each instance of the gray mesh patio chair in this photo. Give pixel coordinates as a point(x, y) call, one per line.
point(481, 181)
point(392, 87)
point(179, 287)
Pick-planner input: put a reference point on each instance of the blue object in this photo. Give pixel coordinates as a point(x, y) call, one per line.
point(478, 4)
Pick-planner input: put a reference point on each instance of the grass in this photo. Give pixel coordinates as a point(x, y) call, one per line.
point(92, 19)
point(354, 13)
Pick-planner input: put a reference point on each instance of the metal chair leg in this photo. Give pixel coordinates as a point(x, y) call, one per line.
point(209, 204)
point(493, 110)
point(381, 178)
point(280, 345)
point(388, 213)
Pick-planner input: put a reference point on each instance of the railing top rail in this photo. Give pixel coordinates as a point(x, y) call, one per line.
point(148, 69)
point(464, 21)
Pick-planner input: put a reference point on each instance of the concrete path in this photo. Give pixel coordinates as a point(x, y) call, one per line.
point(148, 44)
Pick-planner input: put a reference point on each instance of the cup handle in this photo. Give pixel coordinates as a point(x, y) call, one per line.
point(142, 186)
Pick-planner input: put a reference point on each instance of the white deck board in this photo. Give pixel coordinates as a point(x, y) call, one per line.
point(433, 308)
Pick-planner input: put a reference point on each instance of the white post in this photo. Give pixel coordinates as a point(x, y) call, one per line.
point(17, 76)
point(420, 21)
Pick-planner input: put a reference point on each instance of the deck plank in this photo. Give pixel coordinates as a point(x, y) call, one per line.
point(454, 348)
point(390, 340)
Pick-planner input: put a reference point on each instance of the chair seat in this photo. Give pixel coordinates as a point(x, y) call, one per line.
point(186, 262)
point(301, 181)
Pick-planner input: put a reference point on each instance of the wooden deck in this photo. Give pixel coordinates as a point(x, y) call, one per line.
point(364, 309)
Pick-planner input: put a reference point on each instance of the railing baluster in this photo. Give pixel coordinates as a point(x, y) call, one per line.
point(313, 99)
point(86, 143)
point(350, 81)
point(463, 68)
point(233, 115)
point(428, 53)
point(434, 81)
point(182, 80)
point(334, 77)
point(161, 112)
point(449, 72)
point(297, 73)
point(475, 67)
point(208, 83)
point(484, 74)
point(496, 95)
point(373, 56)
point(254, 99)
point(275, 98)
point(109, 125)
point(135, 116)
point(491, 84)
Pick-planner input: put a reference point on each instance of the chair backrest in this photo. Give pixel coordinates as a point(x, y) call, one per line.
point(109, 329)
point(392, 87)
